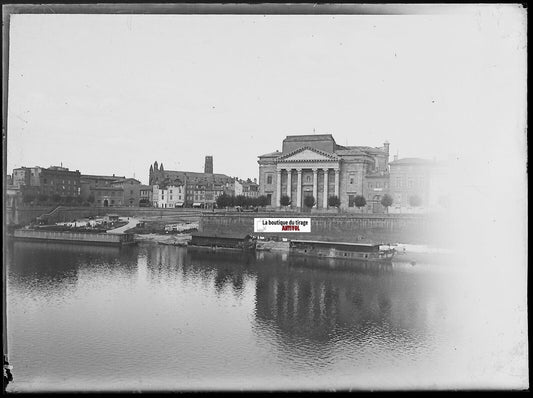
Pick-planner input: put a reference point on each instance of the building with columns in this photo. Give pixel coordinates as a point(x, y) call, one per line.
point(316, 165)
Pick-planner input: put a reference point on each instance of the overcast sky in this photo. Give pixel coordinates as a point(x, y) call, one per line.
point(111, 94)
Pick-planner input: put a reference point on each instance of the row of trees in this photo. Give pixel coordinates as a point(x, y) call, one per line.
point(334, 201)
point(225, 200)
point(359, 201)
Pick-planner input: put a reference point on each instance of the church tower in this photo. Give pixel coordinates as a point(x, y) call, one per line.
point(208, 167)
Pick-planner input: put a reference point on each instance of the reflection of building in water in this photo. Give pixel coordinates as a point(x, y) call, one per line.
point(221, 270)
point(54, 268)
point(165, 261)
point(325, 305)
point(229, 270)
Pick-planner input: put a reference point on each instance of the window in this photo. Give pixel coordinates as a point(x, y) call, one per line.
point(269, 179)
point(352, 178)
point(370, 185)
point(398, 182)
point(131, 191)
point(170, 197)
point(410, 183)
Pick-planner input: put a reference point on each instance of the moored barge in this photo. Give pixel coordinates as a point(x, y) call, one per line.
point(74, 237)
point(355, 251)
point(222, 242)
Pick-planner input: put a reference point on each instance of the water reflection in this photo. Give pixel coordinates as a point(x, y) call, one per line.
point(297, 301)
point(54, 269)
point(198, 316)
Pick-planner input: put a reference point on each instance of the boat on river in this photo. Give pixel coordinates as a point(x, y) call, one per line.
point(74, 237)
point(356, 251)
point(222, 242)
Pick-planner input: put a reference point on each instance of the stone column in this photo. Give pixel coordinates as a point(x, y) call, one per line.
point(315, 187)
point(289, 183)
point(299, 189)
point(337, 182)
point(278, 190)
point(325, 204)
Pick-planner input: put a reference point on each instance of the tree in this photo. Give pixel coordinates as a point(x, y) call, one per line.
point(386, 201)
point(143, 202)
point(284, 200)
point(262, 201)
point(90, 199)
point(222, 201)
point(69, 199)
point(360, 201)
point(79, 200)
point(415, 201)
point(309, 201)
point(240, 200)
point(334, 201)
point(56, 198)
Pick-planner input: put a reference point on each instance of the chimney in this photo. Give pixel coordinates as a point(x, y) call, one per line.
point(386, 146)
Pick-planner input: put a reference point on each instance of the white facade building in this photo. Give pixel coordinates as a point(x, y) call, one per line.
point(169, 197)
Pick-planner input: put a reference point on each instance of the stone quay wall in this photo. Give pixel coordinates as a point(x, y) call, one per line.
point(382, 228)
point(25, 215)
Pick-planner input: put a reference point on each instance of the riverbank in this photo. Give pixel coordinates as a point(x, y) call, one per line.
point(350, 228)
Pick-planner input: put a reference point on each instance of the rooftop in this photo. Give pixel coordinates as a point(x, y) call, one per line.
point(310, 137)
point(270, 155)
point(103, 177)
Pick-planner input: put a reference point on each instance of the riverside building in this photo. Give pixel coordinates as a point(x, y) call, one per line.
point(315, 165)
point(201, 189)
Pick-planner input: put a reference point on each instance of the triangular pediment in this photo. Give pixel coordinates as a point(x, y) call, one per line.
point(307, 154)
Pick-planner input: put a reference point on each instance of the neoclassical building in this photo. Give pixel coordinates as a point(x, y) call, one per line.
point(316, 165)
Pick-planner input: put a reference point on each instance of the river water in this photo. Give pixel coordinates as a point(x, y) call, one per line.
point(154, 317)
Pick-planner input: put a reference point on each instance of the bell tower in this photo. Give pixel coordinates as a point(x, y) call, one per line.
point(208, 167)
